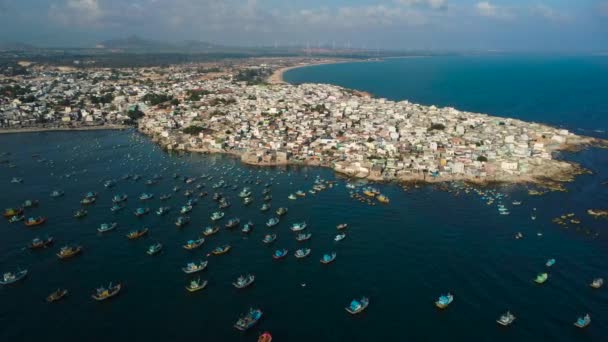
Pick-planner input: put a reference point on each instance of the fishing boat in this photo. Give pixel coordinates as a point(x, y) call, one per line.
point(35, 221)
point(16, 180)
point(281, 211)
point(90, 194)
point(136, 234)
point(244, 281)
point(506, 319)
point(382, 199)
point(119, 198)
point(541, 278)
point(298, 226)
point(67, 252)
point(217, 196)
point(265, 207)
point(16, 218)
point(245, 193)
point(273, 221)
point(583, 322)
point(292, 197)
point(328, 258)
point(223, 204)
point(269, 238)
point(516, 202)
point(279, 254)
point(597, 283)
point(165, 197)
point(109, 184)
point(193, 267)
point(57, 193)
point(103, 293)
point(233, 222)
point(342, 226)
point(247, 201)
point(151, 182)
point(139, 212)
point(30, 203)
point(339, 237)
point(196, 285)
point(145, 196)
point(265, 337)
point(191, 202)
point(303, 237)
point(176, 188)
point(221, 250)
point(182, 221)
point(300, 193)
point(550, 262)
point(248, 320)
point(117, 207)
point(9, 278)
point(155, 249)
point(218, 215)
point(88, 200)
point(302, 253)
point(162, 211)
point(106, 227)
point(444, 301)
point(208, 231)
point(38, 243)
point(194, 244)
point(357, 306)
point(185, 209)
point(80, 213)
point(10, 212)
point(267, 198)
point(56, 295)
point(248, 227)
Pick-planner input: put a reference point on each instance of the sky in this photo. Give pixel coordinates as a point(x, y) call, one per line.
point(503, 25)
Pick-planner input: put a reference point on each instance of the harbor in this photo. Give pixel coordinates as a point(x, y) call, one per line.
point(396, 257)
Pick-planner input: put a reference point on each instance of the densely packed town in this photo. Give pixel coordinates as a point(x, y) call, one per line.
point(228, 107)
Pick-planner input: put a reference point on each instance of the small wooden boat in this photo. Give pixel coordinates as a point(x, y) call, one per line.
point(194, 244)
point(192, 267)
point(119, 198)
point(342, 226)
point(583, 322)
point(328, 258)
point(218, 215)
point(281, 211)
point(597, 283)
point(302, 253)
point(117, 207)
point(9, 278)
point(382, 199)
point(221, 250)
point(105, 227)
point(165, 197)
point(248, 227)
point(244, 281)
point(269, 238)
point(357, 306)
point(16, 218)
point(196, 285)
point(57, 295)
point(136, 234)
point(104, 293)
point(339, 237)
point(298, 227)
point(541, 278)
point(506, 319)
point(162, 211)
point(155, 249)
point(146, 197)
point(279, 254)
point(444, 301)
point(265, 207)
point(182, 221)
point(211, 230)
point(67, 252)
point(10, 212)
point(38, 243)
point(185, 209)
point(292, 197)
point(303, 237)
point(33, 222)
point(233, 223)
point(57, 193)
point(30, 203)
point(90, 194)
point(550, 262)
point(139, 212)
point(265, 337)
point(273, 221)
point(248, 320)
point(88, 200)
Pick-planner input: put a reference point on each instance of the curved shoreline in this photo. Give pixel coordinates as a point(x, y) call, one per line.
point(277, 76)
point(61, 129)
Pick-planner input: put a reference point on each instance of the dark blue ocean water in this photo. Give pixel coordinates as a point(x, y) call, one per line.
point(426, 242)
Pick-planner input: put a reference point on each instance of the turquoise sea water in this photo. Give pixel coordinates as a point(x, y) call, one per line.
point(425, 243)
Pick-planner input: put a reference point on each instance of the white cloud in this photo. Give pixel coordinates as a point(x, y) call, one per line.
point(548, 13)
point(486, 9)
point(434, 4)
point(77, 12)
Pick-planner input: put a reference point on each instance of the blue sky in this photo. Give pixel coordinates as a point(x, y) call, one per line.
point(508, 25)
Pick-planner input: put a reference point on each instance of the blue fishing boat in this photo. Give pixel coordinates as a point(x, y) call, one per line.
point(248, 227)
point(146, 196)
point(302, 253)
point(272, 222)
point(303, 237)
point(328, 258)
point(9, 278)
point(269, 238)
point(182, 221)
point(162, 211)
point(280, 254)
point(106, 227)
point(193, 267)
point(233, 222)
point(244, 281)
point(583, 322)
point(90, 194)
point(357, 306)
point(117, 207)
point(194, 244)
point(550, 262)
point(218, 215)
point(248, 320)
point(444, 301)
point(119, 198)
point(141, 211)
point(155, 249)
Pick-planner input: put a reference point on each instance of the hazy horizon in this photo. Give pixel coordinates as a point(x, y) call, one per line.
point(503, 25)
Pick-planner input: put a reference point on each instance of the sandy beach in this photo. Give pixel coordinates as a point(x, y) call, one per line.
point(277, 75)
